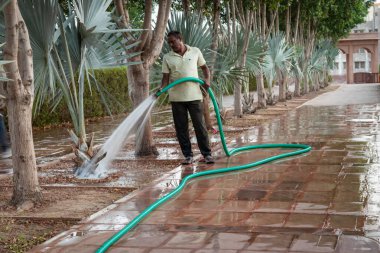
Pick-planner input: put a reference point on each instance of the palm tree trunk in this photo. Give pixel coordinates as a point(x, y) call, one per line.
point(20, 93)
point(264, 20)
point(282, 90)
point(309, 49)
point(261, 94)
point(276, 16)
point(200, 4)
point(139, 76)
point(233, 11)
point(238, 110)
point(297, 87)
point(296, 27)
point(214, 48)
point(228, 13)
point(186, 7)
point(246, 19)
point(287, 34)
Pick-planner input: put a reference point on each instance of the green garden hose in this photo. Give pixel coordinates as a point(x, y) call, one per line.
point(302, 149)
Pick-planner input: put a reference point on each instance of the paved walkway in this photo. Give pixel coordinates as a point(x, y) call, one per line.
point(325, 201)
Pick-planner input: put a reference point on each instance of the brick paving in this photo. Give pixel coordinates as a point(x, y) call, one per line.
point(327, 200)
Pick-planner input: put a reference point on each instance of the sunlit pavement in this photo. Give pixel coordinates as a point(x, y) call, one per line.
point(325, 201)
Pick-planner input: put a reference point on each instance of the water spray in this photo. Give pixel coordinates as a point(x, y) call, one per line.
point(301, 148)
point(98, 166)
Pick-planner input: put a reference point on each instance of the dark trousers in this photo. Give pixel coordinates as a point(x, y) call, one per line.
point(181, 123)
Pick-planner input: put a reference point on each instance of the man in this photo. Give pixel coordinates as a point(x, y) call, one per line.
point(185, 98)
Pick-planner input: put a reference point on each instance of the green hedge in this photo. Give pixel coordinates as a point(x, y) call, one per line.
point(252, 83)
point(114, 80)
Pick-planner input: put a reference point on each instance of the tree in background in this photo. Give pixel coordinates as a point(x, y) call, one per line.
point(20, 94)
point(150, 43)
point(68, 46)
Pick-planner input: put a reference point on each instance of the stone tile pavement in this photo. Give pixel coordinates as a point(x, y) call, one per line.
point(327, 200)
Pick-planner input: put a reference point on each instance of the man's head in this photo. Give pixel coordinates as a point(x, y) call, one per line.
point(175, 41)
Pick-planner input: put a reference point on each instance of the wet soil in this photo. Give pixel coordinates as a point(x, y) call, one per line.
point(67, 199)
point(60, 209)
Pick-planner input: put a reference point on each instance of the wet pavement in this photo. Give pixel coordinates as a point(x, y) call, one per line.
point(327, 200)
point(54, 144)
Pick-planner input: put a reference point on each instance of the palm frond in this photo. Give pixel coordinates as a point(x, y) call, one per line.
point(196, 32)
point(296, 61)
point(278, 57)
point(254, 52)
point(67, 48)
point(322, 58)
point(93, 16)
point(40, 18)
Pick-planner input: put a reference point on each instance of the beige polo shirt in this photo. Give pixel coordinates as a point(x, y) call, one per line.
point(184, 66)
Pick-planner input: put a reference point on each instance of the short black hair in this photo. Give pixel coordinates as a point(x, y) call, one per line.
point(175, 34)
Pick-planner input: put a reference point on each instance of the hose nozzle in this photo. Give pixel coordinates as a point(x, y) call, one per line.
point(158, 93)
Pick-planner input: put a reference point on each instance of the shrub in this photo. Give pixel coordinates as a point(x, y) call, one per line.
point(114, 81)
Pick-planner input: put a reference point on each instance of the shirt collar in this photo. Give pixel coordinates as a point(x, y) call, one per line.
point(174, 53)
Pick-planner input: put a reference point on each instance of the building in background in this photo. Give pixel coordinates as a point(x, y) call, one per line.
point(362, 57)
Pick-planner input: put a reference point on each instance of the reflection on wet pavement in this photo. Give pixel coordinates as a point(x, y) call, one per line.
point(324, 201)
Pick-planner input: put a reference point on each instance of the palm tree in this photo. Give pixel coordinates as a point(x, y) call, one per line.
point(20, 93)
point(295, 69)
point(276, 62)
point(321, 61)
point(330, 53)
point(67, 49)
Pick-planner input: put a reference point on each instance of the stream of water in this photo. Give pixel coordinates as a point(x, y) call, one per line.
point(131, 126)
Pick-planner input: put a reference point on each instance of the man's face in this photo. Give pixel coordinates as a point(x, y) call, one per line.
point(175, 44)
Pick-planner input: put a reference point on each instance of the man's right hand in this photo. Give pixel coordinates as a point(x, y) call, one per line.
point(158, 91)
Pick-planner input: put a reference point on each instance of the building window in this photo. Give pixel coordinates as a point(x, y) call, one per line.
point(344, 65)
point(336, 65)
point(359, 65)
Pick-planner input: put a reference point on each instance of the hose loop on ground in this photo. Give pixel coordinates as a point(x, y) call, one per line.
point(302, 148)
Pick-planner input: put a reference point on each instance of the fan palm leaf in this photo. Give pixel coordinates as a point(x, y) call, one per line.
point(296, 60)
point(67, 48)
point(277, 58)
point(195, 31)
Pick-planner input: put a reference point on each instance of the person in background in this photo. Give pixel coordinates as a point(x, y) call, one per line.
point(4, 143)
point(183, 61)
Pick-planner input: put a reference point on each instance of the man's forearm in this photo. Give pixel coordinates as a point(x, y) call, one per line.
point(206, 74)
point(164, 80)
